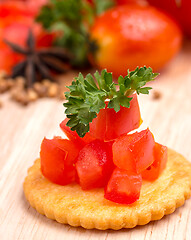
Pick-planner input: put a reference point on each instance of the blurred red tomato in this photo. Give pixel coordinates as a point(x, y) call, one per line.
point(15, 21)
point(180, 10)
point(12, 11)
point(25, 7)
point(122, 2)
point(131, 35)
point(35, 4)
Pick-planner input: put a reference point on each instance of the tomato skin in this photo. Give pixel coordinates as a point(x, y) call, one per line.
point(139, 36)
point(94, 165)
point(159, 164)
point(109, 125)
point(134, 152)
point(123, 187)
point(73, 136)
point(57, 160)
point(180, 12)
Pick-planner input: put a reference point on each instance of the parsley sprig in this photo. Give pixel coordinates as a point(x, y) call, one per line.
point(72, 20)
point(87, 95)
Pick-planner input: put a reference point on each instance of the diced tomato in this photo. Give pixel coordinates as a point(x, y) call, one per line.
point(58, 157)
point(73, 136)
point(94, 165)
point(124, 121)
point(134, 152)
point(109, 124)
point(159, 164)
point(123, 187)
point(98, 127)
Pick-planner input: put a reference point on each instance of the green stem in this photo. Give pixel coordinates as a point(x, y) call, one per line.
point(129, 92)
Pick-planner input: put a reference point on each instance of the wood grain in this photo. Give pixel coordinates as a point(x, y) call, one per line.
point(23, 128)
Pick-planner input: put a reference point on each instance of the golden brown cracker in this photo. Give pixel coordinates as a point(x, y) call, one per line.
point(89, 209)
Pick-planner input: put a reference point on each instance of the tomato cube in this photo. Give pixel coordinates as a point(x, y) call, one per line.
point(73, 136)
point(58, 157)
point(124, 121)
point(123, 187)
point(159, 164)
point(134, 152)
point(99, 125)
point(109, 124)
point(94, 165)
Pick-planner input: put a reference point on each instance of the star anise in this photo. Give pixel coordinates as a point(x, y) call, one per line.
point(38, 63)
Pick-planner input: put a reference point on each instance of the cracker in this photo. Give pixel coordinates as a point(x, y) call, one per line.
point(89, 209)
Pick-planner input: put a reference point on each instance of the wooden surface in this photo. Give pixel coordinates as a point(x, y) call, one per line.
point(23, 128)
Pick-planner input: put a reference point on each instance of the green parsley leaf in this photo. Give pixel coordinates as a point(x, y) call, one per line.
point(115, 104)
point(87, 95)
point(73, 19)
point(101, 6)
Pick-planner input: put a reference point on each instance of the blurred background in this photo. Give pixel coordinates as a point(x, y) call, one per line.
point(41, 39)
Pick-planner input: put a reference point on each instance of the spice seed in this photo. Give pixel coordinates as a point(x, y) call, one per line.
point(32, 95)
point(3, 74)
point(40, 89)
point(156, 95)
point(20, 81)
point(22, 95)
point(3, 86)
point(53, 90)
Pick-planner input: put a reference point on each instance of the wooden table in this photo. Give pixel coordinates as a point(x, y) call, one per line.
point(23, 128)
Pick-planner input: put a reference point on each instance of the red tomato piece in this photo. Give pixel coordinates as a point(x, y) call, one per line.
point(124, 121)
point(58, 157)
point(94, 165)
point(98, 127)
point(73, 136)
point(134, 152)
point(109, 124)
point(123, 187)
point(159, 164)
